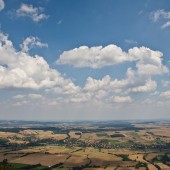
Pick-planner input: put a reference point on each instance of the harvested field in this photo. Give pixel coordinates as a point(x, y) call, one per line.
point(41, 134)
point(75, 135)
point(130, 168)
point(89, 136)
point(163, 166)
point(39, 158)
point(102, 159)
point(151, 167)
point(150, 156)
point(10, 156)
point(103, 145)
point(4, 135)
point(121, 151)
point(165, 132)
point(108, 168)
point(75, 160)
point(139, 158)
point(50, 149)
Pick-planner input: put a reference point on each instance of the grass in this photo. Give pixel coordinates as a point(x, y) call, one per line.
point(18, 165)
point(21, 166)
point(23, 147)
point(134, 134)
point(101, 134)
point(40, 168)
point(159, 141)
point(127, 143)
point(59, 132)
point(113, 142)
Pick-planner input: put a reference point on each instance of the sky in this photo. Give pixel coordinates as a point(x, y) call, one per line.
point(84, 59)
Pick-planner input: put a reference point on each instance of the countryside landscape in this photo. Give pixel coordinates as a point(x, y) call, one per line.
point(84, 84)
point(121, 145)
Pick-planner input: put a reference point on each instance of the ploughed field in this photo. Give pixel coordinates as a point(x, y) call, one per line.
point(85, 145)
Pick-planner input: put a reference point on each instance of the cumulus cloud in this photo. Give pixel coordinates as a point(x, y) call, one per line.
point(150, 85)
point(35, 96)
point(122, 99)
point(28, 99)
point(31, 96)
point(20, 70)
point(161, 14)
point(147, 60)
point(36, 14)
point(130, 84)
point(19, 96)
point(165, 94)
point(94, 57)
point(2, 5)
point(106, 88)
point(31, 42)
point(93, 84)
point(137, 80)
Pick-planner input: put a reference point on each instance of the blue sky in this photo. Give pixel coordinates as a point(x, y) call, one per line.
point(69, 60)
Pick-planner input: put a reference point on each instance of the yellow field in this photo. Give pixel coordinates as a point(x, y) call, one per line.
point(73, 135)
point(50, 149)
point(43, 159)
point(75, 160)
point(107, 152)
point(41, 134)
point(139, 158)
point(6, 134)
point(163, 166)
point(150, 156)
point(9, 156)
point(162, 132)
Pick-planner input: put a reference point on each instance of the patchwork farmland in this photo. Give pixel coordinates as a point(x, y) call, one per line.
point(85, 145)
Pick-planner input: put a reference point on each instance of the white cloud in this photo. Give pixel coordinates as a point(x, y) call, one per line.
point(30, 96)
point(165, 94)
point(34, 13)
point(93, 84)
point(122, 99)
point(28, 99)
point(167, 24)
point(20, 70)
point(94, 57)
point(35, 96)
point(19, 96)
point(150, 85)
point(137, 80)
point(68, 89)
point(106, 87)
point(2, 5)
point(148, 62)
point(31, 42)
point(159, 15)
point(131, 84)
point(21, 103)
